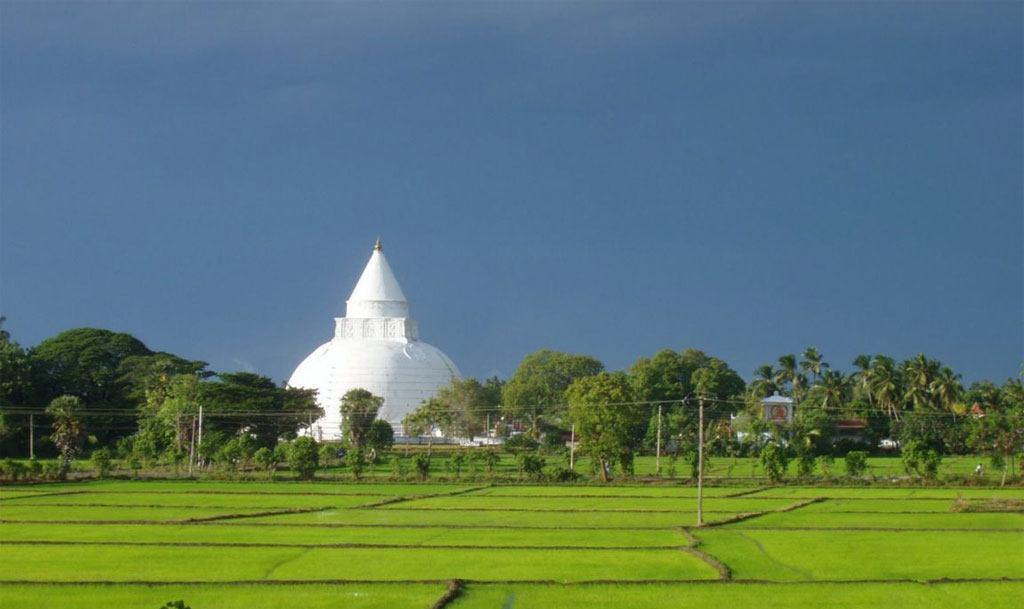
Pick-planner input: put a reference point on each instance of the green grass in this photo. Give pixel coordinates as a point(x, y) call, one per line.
point(212, 596)
point(745, 596)
point(229, 501)
point(681, 504)
point(206, 564)
point(313, 535)
point(876, 492)
point(93, 513)
point(261, 488)
point(454, 517)
point(852, 555)
point(806, 518)
point(510, 536)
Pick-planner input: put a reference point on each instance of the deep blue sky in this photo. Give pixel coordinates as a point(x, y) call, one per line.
point(605, 178)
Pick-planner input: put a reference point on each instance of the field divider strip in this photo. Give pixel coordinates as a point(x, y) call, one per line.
point(550, 582)
point(886, 529)
point(174, 506)
point(341, 545)
point(35, 495)
point(750, 492)
point(724, 572)
point(277, 512)
point(454, 590)
point(404, 498)
point(561, 510)
point(334, 525)
point(749, 515)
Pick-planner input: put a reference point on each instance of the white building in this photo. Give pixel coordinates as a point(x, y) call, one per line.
point(778, 409)
point(375, 347)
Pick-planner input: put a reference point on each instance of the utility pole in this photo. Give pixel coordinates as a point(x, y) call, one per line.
point(199, 442)
point(572, 448)
point(31, 436)
point(192, 447)
point(700, 464)
point(657, 450)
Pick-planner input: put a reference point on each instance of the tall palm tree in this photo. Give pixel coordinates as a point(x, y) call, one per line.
point(918, 374)
point(813, 363)
point(788, 375)
point(946, 388)
point(862, 377)
point(886, 386)
point(764, 383)
point(834, 390)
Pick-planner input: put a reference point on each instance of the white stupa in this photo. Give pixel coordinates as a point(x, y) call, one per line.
point(375, 347)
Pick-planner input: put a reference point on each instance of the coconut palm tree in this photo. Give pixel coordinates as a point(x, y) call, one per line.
point(833, 390)
point(862, 377)
point(764, 383)
point(946, 388)
point(886, 386)
point(788, 375)
point(918, 374)
point(812, 362)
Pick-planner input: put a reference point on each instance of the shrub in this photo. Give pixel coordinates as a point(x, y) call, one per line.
point(825, 464)
point(175, 605)
point(102, 461)
point(380, 437)
point(774, 460)
point(489, 458)
point(805, 462)
point(422, 464)
point(397, 467)
point(531, 465)
point(328, 454)
point(626, 463)
point(12, 469)
point(856, 463)
point(456, 463)
point(355, 460)
point(303, 457)
point(265, 459)
point(921, 460)
point(564, 474)
point(521, 443)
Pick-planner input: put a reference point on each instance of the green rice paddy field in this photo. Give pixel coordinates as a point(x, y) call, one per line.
point(222, 545)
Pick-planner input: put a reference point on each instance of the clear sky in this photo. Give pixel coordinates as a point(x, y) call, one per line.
point(604, 178)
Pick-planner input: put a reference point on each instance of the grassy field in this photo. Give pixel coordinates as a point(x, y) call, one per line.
point(139, 544)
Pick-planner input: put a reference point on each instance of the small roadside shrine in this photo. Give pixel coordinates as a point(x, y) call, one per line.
point(778, 409)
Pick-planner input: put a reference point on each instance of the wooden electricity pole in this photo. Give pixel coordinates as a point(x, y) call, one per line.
point(31, 436)
point(700, 464)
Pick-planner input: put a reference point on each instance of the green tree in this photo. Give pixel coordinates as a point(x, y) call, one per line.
point(243, 401)
point(812, 363)
point(359, 408)
point(764, 383)
point(887, 386)
point(380, 437)
point(67, 434)
point(86, 363)
point(606, 419)
point(303, 457)
point(536, 393)
point(17, 390)
point(422, 464)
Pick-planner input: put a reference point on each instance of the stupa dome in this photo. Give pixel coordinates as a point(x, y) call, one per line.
point(375, 347)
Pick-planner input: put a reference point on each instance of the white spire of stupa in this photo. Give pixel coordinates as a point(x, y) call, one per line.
point(377, 293)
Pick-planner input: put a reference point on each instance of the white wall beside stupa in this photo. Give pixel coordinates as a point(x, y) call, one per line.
point(375, 347)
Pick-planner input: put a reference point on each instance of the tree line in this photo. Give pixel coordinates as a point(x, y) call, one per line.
point(144, 405)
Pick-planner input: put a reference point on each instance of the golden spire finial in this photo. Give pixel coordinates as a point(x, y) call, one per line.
point(378, 247)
